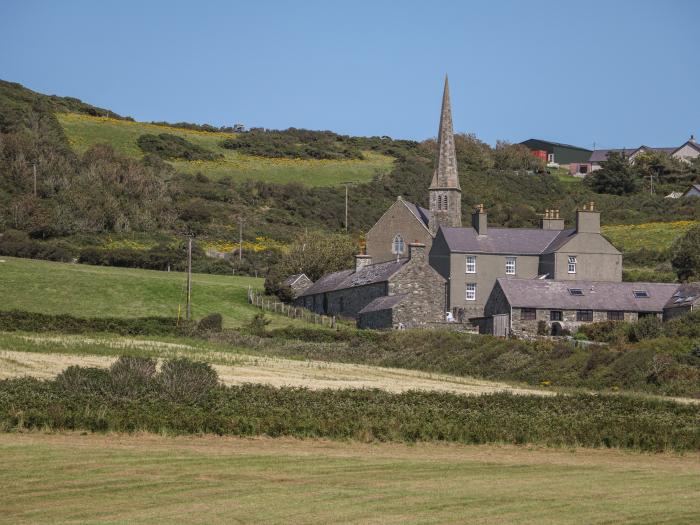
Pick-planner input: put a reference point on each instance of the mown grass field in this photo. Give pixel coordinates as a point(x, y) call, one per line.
point(84, 131)
point(62, 478)
point(102, 291)
point(655, 236)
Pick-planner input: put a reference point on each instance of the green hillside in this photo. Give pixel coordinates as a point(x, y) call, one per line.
point(84, 131)
point(95, 291)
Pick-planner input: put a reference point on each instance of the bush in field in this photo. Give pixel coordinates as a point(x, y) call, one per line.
point(258, 324)
point(645, 328)
point(185, 381)
point(84, 380)
point(210, 323)
point(170, 146)
point(685, 255)
point(130, 376)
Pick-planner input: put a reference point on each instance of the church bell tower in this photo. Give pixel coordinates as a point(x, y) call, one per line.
point(445, 193)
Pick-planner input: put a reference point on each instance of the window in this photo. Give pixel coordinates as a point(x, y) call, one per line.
point(550, 157)
point(556, 315)
point(444, 202)
point(640, 294)
point(510, 265)
point(397, 245)
point(584, 316)
point(471, 292)
point(576, 292)
point(583, 168)
point(471, 264)
point(572, 264)
point(616, 316)
point(528, 314)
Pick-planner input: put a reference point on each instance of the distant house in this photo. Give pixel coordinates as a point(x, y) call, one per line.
point(687, 151)
point(298, 283)
point(694, 191)
point(684, 300)
point(558, 153)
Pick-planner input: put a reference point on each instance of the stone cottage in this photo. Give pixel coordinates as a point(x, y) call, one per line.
point(404, 293)
point(298, 283)
point(547, 307)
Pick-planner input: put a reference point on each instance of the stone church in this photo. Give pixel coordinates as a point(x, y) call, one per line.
point(422, 267)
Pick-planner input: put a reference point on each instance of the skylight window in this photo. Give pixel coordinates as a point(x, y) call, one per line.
point(577, 292)
point(640, 294)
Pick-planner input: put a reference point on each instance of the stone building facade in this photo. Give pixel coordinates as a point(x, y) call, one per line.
point(297, 283)
point(407, 292)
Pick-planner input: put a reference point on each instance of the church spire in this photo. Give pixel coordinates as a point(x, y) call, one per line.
point(445, 193)
point(445, 175)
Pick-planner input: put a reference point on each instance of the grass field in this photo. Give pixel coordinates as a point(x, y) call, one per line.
point(102, 291)
point(656, 236)
point(62, 478)
point(84, 131)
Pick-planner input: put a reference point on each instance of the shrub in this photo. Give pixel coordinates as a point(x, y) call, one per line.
point(130, 376)
point(210, 323)
point(85, 380)
point(646, 328)
point(185, 381)
point(257, 324)
point(170, 146)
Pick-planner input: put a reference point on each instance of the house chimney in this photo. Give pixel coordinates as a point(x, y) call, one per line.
point(692, 139)
point(416, 251)
point(362, 260)
point(479, 220)
point(552, 220)
point(588, 219)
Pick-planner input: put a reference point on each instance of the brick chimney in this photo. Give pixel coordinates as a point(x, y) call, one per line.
point(552, 220)
point(362, 260)
point(416, 251)
point(480, 220)
point(588, 219)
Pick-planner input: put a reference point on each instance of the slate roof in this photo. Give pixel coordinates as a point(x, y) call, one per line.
point(693, 186)
point(289, 281)
point(535, 293)
point(560, 144)
point(421, 213)
point(370, 274)
point(386, 302)
point(517, 241)
point(687, 294)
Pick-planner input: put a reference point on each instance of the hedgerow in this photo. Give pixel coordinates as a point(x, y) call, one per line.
point(87, 399)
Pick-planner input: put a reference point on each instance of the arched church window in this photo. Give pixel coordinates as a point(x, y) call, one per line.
point(397, 245)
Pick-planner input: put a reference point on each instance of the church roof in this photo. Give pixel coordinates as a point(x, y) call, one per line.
point(445, 175)
point(419, 212)
point(616, 296)
point(516, 241)
point(344, 279)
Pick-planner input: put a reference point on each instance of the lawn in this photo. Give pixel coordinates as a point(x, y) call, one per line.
point(102, 291)
point(84, 131)
point(60, 478)
point(655, 236)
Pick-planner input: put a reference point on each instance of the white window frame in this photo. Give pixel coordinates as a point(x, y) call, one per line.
point(550, 157)
point(571, 265)
point(471, 264)
point(511, 265)
point(470, 292)
point(396, 243)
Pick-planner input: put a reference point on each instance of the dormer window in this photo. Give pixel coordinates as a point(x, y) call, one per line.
point(397, 245)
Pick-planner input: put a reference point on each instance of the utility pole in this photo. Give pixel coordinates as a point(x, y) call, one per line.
point(34, 165)
point(189, 277)
point(346, 183)
point(240, 240)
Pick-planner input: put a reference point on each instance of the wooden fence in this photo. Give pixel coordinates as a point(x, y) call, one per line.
point(269, 304)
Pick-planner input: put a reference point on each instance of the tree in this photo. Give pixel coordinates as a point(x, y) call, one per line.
point(685, 255)
point(615, 177)
point(314, 254)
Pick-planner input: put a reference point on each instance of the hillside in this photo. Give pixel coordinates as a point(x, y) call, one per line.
point(84, 131)
point(96, 184)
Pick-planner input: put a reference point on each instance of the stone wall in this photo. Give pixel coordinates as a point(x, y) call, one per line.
point(378, 320)
point(425, 289)
point(344, 303)
point(521, 326)
point(397, 220)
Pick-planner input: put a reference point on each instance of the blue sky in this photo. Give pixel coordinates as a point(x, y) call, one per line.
point(617, 73)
